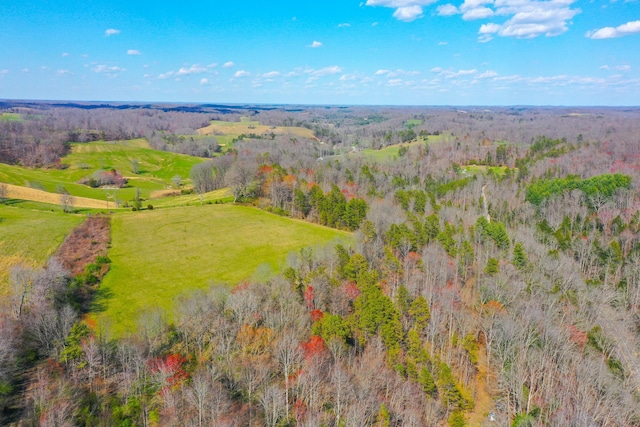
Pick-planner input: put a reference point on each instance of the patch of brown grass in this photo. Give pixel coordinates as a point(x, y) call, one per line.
point(164, 193)
point(6, 262)
point(26, 193)
point(244, 128)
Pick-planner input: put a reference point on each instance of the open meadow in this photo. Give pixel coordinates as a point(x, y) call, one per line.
point(29, 237)
point(226, 132)
point(159, 255)
point(145, 168)
point(391, 152)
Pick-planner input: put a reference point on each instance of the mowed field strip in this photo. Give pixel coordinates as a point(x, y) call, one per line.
point(228, 130)
point(29, 237)
point(26, 193)
point(159, 255)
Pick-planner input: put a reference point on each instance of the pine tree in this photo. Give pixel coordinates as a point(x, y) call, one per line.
point(519, 256)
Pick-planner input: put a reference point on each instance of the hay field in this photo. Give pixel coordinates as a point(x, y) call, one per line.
point(159, 255)
point(235, 129)
point(29, 237)
point(26, 193)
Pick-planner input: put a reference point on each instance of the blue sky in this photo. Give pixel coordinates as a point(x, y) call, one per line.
point(400, 52)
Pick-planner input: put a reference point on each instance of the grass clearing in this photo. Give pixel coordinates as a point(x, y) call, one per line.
point(26, 193)
point(11, 117)
point(412, 123)
point(30, 237)
point(159, 255)
point(498, 171)
point(392, 151)
point(226, 132)
point(155, 169)
point(221, 195)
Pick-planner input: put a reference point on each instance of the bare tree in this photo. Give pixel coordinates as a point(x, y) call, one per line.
point(289, 356)
point(202, 178)
point(271, 402)
point(239, 178)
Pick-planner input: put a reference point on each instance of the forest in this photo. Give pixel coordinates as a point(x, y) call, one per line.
point(491, 275)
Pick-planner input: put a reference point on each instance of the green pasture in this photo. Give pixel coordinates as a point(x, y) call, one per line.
point(391, 152)
point(498, 171)
point(222, 195)
point(412, 123)
point(227, 132)
point(11, 117)
point(48, 207)
point(30, 237)
point(160, 255)
point(155, 169)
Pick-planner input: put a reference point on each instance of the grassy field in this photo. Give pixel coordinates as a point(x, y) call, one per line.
point(222, 195)
point(155, 169)
point(412, 123)
point(391, 152)
point(493, 170)
point(26, 193)
point(11, 117)
point(159, 255)
point(226, 132)
point(30, 237)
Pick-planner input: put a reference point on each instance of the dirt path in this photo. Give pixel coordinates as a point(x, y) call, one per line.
point(26, 193)
point(483, 401)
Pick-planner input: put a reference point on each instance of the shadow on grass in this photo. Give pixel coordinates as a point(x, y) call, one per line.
point(100, 300)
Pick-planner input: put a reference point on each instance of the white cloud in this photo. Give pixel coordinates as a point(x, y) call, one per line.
point(133, 52)
point(532, 18)
point(448, 74)
point(25, 70)
point(326, 71)
point(487, 75)
point(525, 18)
point(242, 73)
point(382, 72)
point(627, 29)
point(3, 73)
point(623, 67)
point(477, 13)
point(194, 69)
point(408, 14)
point(315, 44)
point(204, 82)
point(344, 25)
point(65, 54)
point(107, 69)
point(228, 64)
point(405, 10)
point(271, 74)
point(447, 10)
point(64, 73)
point(111, 32)
point(348, 77)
